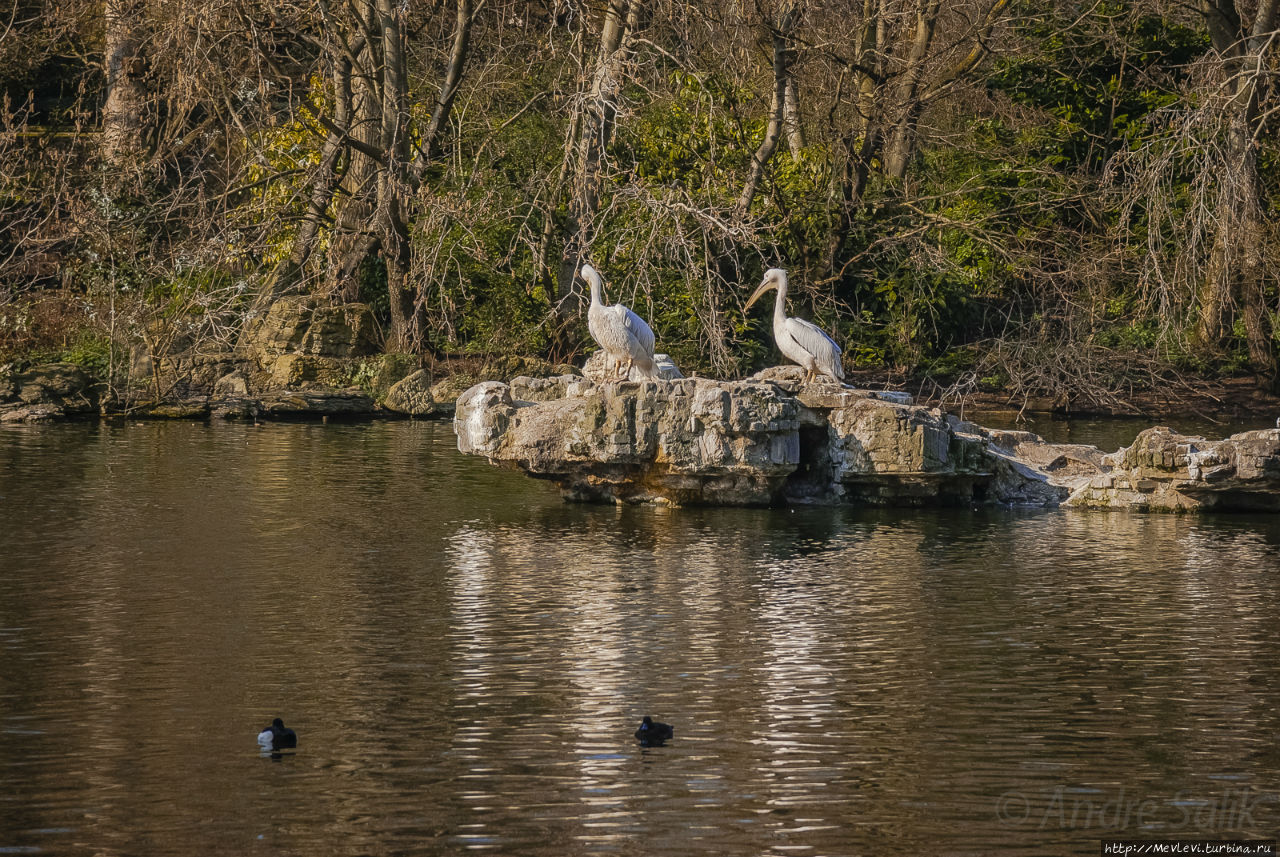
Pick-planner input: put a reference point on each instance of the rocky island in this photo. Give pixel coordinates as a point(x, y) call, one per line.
point(770, 440)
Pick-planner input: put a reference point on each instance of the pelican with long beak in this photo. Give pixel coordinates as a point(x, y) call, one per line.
point(799, 341)
point(622, 334)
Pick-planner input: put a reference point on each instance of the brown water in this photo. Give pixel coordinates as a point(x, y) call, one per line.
point(465, 658)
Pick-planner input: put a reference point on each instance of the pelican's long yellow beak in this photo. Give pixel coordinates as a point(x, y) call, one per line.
point(764, 287)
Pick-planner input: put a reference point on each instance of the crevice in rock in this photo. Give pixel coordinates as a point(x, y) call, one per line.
point(813, 479)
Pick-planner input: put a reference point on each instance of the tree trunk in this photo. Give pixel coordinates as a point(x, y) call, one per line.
point(290, 275)
point(355, 232)
point(597, 128)
point(906, 93)
point(783, 35)
point(393, 183)
point(1235, 274)
point(791, 121)
point(370, 168)
point(123, 109)
point(862, 139)
point(465, 14)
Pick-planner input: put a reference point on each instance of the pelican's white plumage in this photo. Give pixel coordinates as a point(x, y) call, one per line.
point(622, 334)
point(799, 341)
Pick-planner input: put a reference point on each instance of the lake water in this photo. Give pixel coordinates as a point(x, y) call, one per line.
point(465, 658)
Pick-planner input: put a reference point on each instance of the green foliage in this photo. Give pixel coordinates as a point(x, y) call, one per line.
point(1001, 194)
point(485, 298)
point(1099, 75)
point(89, 350)
point(371, 289)
point(994, 232)
point(687, 138)
point(376, 375)
point(279, 165)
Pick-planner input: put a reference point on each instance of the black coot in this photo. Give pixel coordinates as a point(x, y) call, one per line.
point(652, 733)
point(277, 737)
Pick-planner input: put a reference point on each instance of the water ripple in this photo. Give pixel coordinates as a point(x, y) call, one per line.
point(465, 658)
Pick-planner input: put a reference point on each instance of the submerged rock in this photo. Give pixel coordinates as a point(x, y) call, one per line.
point(192, 409)
point(763, 442)
point(305, 404)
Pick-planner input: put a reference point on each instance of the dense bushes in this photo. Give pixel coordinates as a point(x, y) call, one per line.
point(972, 205)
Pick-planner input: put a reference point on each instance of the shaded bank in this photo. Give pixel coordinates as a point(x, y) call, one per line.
point(306, 358)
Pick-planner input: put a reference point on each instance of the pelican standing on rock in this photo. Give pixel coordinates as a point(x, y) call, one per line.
point(799, 341)
point(621, 333)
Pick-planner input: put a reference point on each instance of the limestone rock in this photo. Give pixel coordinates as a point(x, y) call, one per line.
point(767, 442)
point(384, 371)
point(306, 325)
point(599, 368)
point(317, 403)
point(738, 443)
point(233, 385)
point(419, 398)
point(825, 392)
point(541, 389)
point(1163, 471)
point(304, 343)
point(685, 441)
point(411, 396)
point(194, 374)
point(235, 409)
point(445, 393)
point(186, 410)
point(183, 374)
point(44, 392)
point(20, 413)
point(52, 382)
point(303, 371)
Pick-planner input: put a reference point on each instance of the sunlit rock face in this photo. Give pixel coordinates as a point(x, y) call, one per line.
point(1163, 471)
point(753, 442)
point(412, 396)
point(678, 442)
point(771, 441)
point(305, 325)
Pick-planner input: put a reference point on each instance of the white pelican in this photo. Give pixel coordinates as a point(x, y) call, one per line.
point(800, 341)
point(621, 333)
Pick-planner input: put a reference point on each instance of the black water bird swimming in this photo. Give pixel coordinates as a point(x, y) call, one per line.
point(276, 736)
point(652, 733)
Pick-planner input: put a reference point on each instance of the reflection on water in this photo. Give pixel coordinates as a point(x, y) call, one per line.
point(465, 659)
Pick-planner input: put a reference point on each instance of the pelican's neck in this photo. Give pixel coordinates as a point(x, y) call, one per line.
point(780, 302)
point(594, 281)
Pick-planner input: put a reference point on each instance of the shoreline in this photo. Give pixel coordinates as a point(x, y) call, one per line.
point(309, 362)
point(75, 397)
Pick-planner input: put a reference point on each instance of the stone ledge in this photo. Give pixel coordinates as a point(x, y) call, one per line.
point(769, 440)
point(752, 442)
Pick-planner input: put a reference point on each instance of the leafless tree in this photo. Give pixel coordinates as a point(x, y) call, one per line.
point(1207, 251)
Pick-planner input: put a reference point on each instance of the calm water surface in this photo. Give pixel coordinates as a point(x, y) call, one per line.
point(465, 657)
